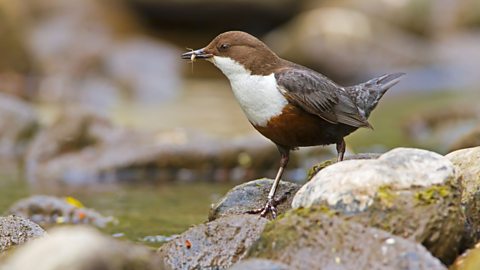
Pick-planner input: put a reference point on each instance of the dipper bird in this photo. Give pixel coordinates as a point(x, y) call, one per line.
point(291, 105)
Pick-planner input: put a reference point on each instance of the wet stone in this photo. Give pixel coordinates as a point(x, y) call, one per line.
point(216, 244)
point(253, 195)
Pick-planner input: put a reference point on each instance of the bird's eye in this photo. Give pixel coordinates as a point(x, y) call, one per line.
point(224, 47)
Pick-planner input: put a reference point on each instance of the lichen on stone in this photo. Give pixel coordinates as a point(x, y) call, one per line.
point(432, 194)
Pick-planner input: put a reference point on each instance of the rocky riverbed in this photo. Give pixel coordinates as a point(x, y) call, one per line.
point(115, 154)
point(405, 209)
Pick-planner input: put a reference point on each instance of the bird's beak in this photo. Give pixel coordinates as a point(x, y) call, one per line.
point(197, 54)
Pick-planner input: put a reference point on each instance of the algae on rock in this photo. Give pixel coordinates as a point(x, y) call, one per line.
point(305, 239)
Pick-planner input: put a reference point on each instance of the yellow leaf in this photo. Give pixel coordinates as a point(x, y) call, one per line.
point(74, 202)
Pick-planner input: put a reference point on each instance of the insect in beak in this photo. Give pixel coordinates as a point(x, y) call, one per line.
point(192, 57)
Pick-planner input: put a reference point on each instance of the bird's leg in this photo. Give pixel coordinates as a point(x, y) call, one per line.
point(340, 150)
point(271, 204)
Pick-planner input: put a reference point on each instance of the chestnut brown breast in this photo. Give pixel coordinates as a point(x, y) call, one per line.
point(295, 127)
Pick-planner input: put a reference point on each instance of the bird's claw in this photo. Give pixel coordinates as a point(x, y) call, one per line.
point(270, 207)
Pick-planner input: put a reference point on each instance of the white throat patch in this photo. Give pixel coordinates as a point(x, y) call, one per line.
point(258, 95)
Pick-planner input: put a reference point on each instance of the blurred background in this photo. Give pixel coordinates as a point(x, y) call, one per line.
point(96, 104)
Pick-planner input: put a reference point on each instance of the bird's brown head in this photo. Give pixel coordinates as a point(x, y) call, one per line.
point(235, 47)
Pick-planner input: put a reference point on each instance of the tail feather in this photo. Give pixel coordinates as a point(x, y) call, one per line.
point(367, 94)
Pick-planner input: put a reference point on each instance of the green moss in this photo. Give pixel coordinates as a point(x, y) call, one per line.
point(318, 167)
point(432, 194)
point(386, 196)
point(274, 237)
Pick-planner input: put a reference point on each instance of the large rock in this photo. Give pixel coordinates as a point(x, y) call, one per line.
point(408, 192)
point(253, 195)
point(81, 248)
point(16, 230)
point(18, 124)
point(316, 241)
point(467, 163)
point(353, 184)
point(217, 244)
point(84, 148)
point(48, 210)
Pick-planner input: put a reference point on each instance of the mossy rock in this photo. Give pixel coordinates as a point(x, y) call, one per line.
point(411, 193)
point(313, 240)
point(431, 216)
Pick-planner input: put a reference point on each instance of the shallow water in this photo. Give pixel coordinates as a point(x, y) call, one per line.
point(141, 210)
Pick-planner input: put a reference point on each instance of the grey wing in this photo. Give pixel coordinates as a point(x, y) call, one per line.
point(318, 95)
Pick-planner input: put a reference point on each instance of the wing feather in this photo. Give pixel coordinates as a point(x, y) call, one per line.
point(318, 95)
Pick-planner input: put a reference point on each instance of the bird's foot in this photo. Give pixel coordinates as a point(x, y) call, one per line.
point(270, 207)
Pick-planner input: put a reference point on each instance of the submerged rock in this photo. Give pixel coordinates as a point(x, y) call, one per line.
point(316, 241)
point(253, 195)
point(49, 210)
point(467, 163)
point(16, 230)
point(408, 192)
point(81, 248)
point(216, 244)
point(18, 124)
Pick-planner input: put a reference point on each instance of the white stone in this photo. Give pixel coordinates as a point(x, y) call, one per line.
point(258, 95)
point(354, 183)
